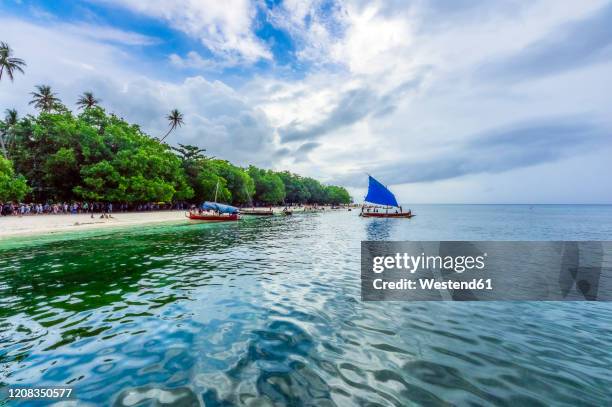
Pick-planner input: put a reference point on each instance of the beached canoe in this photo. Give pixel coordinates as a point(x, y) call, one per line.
point(210, 217)
point(256, 212)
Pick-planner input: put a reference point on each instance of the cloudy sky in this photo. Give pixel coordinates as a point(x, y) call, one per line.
point(445, 101)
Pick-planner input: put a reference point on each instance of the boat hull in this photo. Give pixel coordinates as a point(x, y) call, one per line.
point(386, 215)
point(214, 218)
point(257, 213)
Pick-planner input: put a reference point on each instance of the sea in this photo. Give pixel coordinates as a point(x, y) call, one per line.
point(267, 311)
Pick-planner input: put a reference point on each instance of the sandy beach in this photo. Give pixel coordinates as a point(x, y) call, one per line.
point(47, 224)
point(11, 226)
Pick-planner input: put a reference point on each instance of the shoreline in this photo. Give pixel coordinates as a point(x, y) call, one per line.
point(39, 225)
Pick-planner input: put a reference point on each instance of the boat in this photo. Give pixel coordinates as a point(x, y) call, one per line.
point(255, 212)
point(382, 202)
point(215, 212)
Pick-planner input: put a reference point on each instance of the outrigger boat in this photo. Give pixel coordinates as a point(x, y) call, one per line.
point(382, 202)
point(215, 212)
point(256, 212)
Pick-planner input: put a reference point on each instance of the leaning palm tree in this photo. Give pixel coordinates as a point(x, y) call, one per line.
point(87, 100)
point(175, 118)
point(8, 63)
point(44, 98)
point(6, 127)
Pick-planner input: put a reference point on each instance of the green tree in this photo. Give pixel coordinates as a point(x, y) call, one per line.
point(296, 191)
point(336, 195)
point(238, 181)
point(12, 187)
point(44, 99)
point(8, 63)
point(101, 182)
point(316, 191)
point(99, 156)
point(87, 100)
point(96, 156)
point(61, 172)
point(269, 188)
point(175, 118)
point(189, 152)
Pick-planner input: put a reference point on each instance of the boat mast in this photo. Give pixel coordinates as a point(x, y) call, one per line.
point(216, 190)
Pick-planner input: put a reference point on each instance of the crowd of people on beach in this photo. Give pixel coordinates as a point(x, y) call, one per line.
point(85, 207)
point(73, 208)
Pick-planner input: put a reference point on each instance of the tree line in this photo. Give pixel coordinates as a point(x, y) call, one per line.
point(60, 155)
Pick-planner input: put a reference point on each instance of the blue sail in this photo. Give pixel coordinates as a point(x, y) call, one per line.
point(379, 194)
point(213, 206)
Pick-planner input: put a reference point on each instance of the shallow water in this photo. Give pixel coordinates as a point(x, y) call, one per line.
point(268, 311)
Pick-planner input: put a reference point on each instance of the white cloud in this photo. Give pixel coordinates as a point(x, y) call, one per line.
point(383, 44)
point(193, 60)
point(224, 27)
point(110, 34)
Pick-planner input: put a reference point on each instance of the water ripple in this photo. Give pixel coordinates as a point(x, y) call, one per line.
point(267, 312)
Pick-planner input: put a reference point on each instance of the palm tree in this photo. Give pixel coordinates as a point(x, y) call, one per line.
point(6, 126)
point(44, 99)
point(176, 120)
point(87, 100)
point(10, 117)
point(8, 63)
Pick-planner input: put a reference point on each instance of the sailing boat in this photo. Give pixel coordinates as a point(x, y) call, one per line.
point(383, 202)
point(215, 212)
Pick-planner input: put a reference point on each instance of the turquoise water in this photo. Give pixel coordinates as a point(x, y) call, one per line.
point(267, 311)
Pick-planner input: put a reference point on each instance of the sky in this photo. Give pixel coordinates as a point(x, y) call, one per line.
point(466, 101)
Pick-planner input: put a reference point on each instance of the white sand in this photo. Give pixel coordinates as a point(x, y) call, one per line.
point(47, 224)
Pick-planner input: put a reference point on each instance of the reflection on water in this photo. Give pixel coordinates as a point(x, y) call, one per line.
point(267, 311)
point(380, 229)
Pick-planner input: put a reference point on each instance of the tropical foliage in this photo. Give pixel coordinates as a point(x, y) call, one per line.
point(12, 187)
point(98, 156)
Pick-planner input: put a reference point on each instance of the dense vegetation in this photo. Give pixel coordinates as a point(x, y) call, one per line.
point(99, 157)
point(11, 186)
point(96, 156)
